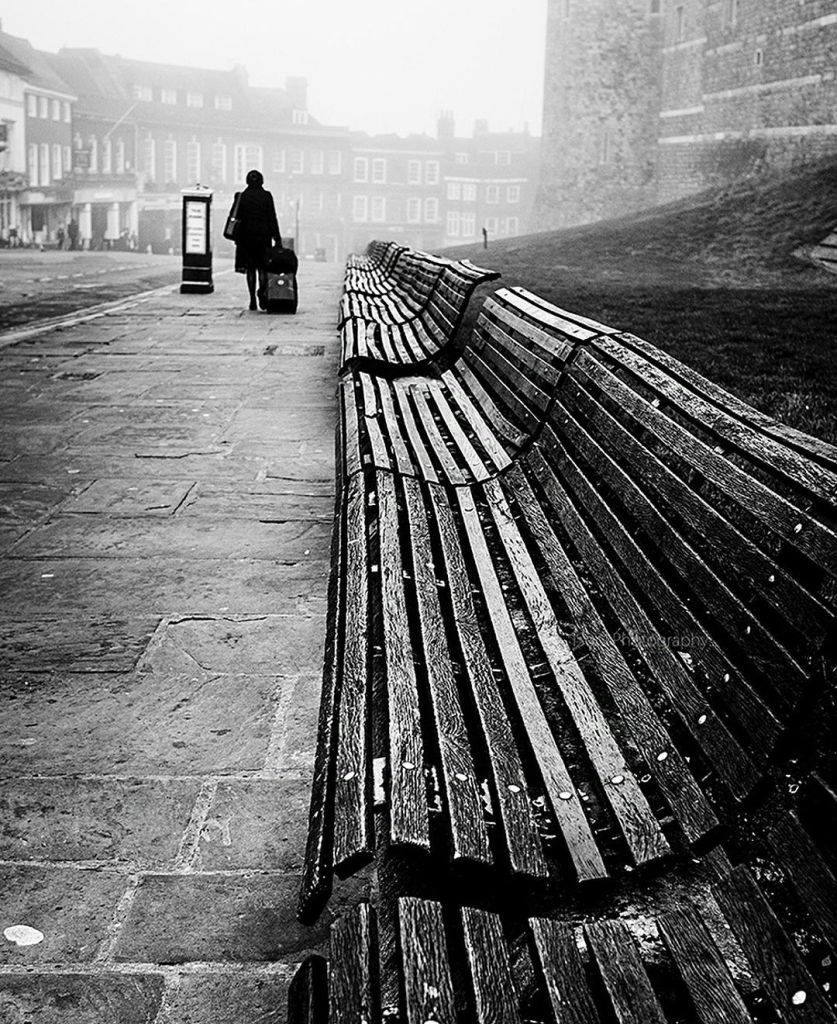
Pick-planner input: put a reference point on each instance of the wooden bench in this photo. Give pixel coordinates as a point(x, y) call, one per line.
point(410, 318)
point(372, 271)
point(584, 662)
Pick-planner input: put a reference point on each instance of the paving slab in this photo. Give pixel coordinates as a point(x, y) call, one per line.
point(166, 506)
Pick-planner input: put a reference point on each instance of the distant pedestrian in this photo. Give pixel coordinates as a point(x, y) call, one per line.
point(485, 238)
point(258, 227)
point(72, 233)
point(59, 238)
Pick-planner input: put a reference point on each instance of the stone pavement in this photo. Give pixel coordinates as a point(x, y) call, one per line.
point(166, 493)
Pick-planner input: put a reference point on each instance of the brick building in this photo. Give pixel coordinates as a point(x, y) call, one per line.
point(649, 100)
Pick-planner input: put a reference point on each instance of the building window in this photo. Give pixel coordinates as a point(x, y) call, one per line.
point(379, 171)
point(31, 105)
point(143, 92)
point(360, 208)
point(361, 168)
point(502, 157)
point(297, 161)
point(512, 226)
point(120, 156)
point(149, 158)
point(43, 161)
point(454, 190)
point(379, 209)
point(246, 158)
point(170, 161)
point(335, 161)
point(491, 225)
point(431, 209)
point(460, 158)
point(300, 117)
point(469, 192)
point(219, 161)
point(469, 225)
point(56, 162)
point(223, 102)
point(492, 194)
point(730, 14)
point(278, 160)
point(67, 112)
point(107, 157)
point(56, 110)
point(68, 159)
point(452, 224)
point(414, 172)
point(758, 58)
point(32, 164)
point(413, 211)
point(194, 99)
point(605, 147)
point(168, 96)
point(317, 162)
point(431, 172)
point(513, 194)
point(679, 23)
point(43, 107)
point(93, 143)
point(193, 162)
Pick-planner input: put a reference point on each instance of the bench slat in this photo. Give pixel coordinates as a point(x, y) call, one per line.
point(428, 987)
point(580, 327)
point(774, 510)
point(308, 992)
point(475, 421)
point(353, 833)
point(353, 970)
point(408, 792)
point(715, 409)
point(702, 968)
point(695, 712)
point(558, 963)
point(352, 455)
point(402, 393)
point(729, 549)
point(507, 776)
point(495, 995)
point(403, 460)
point(686, 799)
point(380, 456)
point(469, 836)
point(771, 953)
point(777, 665)
point(498, 421)
point(560, 789)
point(642, 833)
point(472, 459)
point(437, 445)
point(756, 718)
point(811, 876)
point(631, 995)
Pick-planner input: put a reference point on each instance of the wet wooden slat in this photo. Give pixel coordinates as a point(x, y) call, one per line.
point(353, 969)
point(630, 992)
point(509, 786)
point(428, 987)
point(452, 472)
point(560, 789)
point(308, 992)
point(417, 445)
point(558, 963)
point(495, 997)
point(636, 819)
point(473, 417)
point(380, 456)
point(707, 978)
point(690, 805)
point(469, 837)
point(771, 952)
point(403, 461)
point(408, 797)
point(472, 459)
point(353, 834)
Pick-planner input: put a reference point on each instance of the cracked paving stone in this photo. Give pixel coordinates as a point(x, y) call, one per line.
point(69, 998)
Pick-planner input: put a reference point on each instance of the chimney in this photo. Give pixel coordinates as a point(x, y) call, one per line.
point(481, 127)
point(297, 89)
point(241, 73)
point(445, 125)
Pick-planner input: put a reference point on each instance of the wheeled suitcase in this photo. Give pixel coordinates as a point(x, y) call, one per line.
point(282, 294)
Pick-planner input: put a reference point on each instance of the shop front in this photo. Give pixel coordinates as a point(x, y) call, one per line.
point(106, 217)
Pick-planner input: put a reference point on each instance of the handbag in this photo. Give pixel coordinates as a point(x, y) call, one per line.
point(233, 222)
point(281, 261)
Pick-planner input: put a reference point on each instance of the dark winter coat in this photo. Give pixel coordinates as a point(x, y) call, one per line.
point(258, 228)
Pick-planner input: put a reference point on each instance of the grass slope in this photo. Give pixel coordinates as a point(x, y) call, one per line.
point(713, 280)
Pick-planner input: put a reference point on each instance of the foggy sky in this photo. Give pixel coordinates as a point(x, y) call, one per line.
point(373, 65)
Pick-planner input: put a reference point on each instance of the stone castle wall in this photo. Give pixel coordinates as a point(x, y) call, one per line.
point(695, 93)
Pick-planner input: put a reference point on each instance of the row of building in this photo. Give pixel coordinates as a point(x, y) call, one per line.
point(103, 145)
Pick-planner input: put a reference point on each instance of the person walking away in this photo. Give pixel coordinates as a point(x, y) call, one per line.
point(59, 238)
point(258, 227)
point(72, 233)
